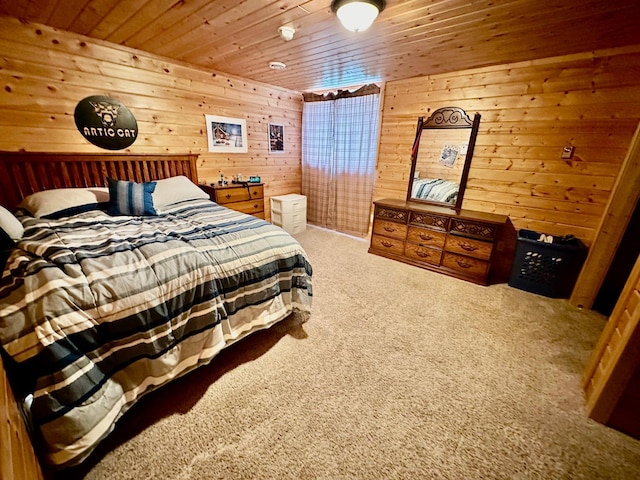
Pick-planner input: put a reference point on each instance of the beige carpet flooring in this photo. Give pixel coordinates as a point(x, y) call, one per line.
point(399, 373)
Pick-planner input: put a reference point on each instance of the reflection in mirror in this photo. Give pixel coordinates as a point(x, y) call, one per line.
point(441, 157)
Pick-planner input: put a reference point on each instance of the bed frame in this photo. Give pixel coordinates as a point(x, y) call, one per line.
point(22, 174)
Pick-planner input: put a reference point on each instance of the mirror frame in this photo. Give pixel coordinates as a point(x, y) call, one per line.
point(446, 118)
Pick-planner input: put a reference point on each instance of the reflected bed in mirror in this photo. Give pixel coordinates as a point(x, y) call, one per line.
point(441, 157)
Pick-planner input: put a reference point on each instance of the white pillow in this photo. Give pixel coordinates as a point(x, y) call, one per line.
point(10, 224)
point(48, 202)
point(175, 189)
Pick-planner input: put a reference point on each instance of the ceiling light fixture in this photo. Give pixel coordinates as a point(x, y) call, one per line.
point(357, 15)
point(277, 65)
point(286, 32)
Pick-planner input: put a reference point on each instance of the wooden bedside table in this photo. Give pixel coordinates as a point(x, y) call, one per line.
point(243, 197)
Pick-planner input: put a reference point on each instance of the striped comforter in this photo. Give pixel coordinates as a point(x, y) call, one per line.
point(98, 310)
point(435, 189)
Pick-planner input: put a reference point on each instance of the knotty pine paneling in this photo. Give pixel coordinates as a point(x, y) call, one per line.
point(17, 458)
point(409, 38)
point(530, 110)
point(44, 73)
point(611, 380)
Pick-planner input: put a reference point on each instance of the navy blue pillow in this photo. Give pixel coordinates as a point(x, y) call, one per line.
point(130, 198)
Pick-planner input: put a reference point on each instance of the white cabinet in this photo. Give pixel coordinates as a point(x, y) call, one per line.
point(289, 212)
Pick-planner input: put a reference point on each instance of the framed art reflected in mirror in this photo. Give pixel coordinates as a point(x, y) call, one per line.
point(441, 157)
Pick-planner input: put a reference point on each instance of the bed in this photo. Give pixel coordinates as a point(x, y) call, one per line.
point(100, 305)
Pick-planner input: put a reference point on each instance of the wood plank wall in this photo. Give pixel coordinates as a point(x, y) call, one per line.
point(17, 458)
point(44, 73)
point(530, 110)
point(611, 380)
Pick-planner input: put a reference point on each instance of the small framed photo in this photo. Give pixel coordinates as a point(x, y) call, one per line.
point(226, 134)
point(449, 155)
point(276, 138)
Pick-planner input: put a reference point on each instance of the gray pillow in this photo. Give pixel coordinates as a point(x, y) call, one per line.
point(176, 189)
point(10, 224)
point(48, 203)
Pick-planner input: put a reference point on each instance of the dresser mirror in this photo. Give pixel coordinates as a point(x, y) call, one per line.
point(441, 157)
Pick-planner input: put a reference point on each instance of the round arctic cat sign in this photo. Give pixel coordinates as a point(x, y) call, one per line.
point(106, 122)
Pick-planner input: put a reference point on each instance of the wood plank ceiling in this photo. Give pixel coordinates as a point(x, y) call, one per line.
point(409, 38)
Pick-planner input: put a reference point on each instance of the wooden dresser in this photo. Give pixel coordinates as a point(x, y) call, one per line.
point(459, 243)
point(243, 197)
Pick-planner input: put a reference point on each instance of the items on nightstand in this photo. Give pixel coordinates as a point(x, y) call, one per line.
point(289, 212)
point(240, 179)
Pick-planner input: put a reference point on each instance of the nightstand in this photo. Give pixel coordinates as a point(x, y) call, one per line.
point(243, 197)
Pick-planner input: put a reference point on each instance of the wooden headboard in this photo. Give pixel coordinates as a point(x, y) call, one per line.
point(22, 174)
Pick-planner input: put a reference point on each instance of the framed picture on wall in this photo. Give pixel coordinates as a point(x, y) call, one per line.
point(449, 155)
point(276, 138)
point(226, 134)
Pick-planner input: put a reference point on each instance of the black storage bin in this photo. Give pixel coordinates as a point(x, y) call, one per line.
point(549, 269)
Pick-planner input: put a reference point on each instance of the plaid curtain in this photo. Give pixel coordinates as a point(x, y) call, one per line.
point(339, 152)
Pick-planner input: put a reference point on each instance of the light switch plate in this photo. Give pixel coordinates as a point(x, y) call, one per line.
point(567, 152)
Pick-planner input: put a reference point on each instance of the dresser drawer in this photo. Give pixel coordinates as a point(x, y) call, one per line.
point(288, 218)
point(291, 203)
point(468, 266)
point(469, 246)
point(249, 206)
point(438, 222)
point(426, 237)
point(485, 231)
point(391, 214)
point(255, 191)
point(293, 227)
point(422, 253)
point(388, 245)
point(230, 195)
point(389, 229)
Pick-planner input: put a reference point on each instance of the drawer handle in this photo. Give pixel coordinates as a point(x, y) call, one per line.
point(463, 264)
point(389, 229)
point(228, 196)
point(468, 247)
point(387, 244)
point(255, 205)
point(255, 193)
point(423, 254)
point(425, 236)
